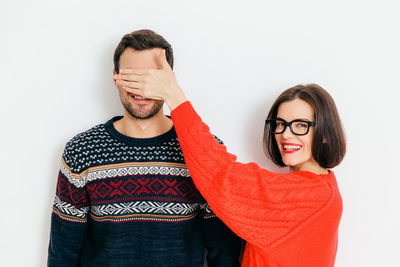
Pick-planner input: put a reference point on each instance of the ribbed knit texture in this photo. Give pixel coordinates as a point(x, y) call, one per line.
point(130, 202)
point(288, 220)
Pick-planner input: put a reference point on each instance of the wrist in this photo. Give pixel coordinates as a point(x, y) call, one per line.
point(176, 99)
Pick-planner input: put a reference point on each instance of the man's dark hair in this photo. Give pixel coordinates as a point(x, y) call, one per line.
point(329, 144)
point(142, 40)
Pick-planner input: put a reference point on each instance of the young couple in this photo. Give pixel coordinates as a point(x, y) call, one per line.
point(125, 196)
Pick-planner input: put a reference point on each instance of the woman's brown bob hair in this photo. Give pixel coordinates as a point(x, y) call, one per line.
point(329, 143)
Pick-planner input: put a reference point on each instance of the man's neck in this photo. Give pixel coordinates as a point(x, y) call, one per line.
point(143, 128)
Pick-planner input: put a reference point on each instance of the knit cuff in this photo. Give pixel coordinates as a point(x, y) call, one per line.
point(184, 115)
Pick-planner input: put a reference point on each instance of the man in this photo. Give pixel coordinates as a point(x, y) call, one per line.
point(124, 196)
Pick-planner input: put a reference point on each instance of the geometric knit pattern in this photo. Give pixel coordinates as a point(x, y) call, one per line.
point(136, 183)
point(68, 211)
point(123, 169)
point(125, 181)
point(131, 193)
point(150, 209)
point(97, 147)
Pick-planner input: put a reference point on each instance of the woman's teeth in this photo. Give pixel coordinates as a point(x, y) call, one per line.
point(291, 148)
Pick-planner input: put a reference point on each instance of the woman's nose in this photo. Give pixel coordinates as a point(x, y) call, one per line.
point(287, 133)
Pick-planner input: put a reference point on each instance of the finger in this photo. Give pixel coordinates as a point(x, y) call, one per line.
point(133, 71)
point(131, 77)
point(139, 92)
point(163, 61)
point(131, 84)
point(133, 91)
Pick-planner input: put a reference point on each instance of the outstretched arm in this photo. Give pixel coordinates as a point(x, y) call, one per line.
point(262, 207)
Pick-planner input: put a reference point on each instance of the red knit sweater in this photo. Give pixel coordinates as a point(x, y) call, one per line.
point(288, 220)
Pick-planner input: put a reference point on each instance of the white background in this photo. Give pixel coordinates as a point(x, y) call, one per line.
point(233, 58)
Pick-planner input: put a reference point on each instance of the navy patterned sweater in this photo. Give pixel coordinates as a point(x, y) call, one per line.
point(126, 202)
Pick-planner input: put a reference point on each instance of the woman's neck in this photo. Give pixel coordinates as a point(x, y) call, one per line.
point(310, 167)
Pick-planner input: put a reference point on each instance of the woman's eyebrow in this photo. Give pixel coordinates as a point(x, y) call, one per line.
point(303, 119)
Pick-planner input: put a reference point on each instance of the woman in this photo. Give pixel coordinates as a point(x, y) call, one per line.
point(287, 219)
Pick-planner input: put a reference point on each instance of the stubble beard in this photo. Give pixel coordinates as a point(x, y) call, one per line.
point(143, 113)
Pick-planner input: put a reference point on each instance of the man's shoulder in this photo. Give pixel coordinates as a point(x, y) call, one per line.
point(92, 135)
point(219, 140)
point(82, 145)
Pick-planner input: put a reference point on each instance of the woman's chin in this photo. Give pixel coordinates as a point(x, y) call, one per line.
point(290, 163)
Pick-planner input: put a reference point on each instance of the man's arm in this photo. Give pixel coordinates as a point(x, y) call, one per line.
point(223, 246)
point(68, 221)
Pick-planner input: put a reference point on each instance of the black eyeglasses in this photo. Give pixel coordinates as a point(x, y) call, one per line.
point(297, 127)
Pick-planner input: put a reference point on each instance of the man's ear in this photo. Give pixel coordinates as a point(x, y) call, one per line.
point(115, 81)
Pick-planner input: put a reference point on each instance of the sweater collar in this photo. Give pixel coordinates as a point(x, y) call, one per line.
point(109, 125)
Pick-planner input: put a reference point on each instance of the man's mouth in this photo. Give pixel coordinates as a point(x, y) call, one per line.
point(138, 97)
point(290, 148)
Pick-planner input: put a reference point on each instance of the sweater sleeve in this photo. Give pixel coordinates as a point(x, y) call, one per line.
point(68, 221)
point(262, 207)
point(223, 246)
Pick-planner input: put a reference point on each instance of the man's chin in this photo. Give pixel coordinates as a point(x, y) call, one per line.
point(144, 113)
point(142, 116)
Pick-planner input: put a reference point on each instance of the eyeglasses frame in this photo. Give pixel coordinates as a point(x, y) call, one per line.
point(309, 124)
